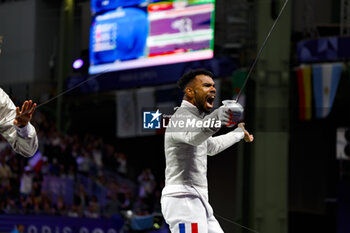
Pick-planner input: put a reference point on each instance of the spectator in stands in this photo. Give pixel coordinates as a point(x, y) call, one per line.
point(113, 188)
point(60, 207)
point(108, 157)
point(5, 173)
point(68, 158)
point(54, 167)
point(112, 206)
point(27, 204)
point(126, 200)
point(55, 143)
point(81, 197)
point(141, 207)
point(75, 211)
point(3, 144)
point(18, 229)
point(26, 181)
point(62, 172)
point(122, 164)
point(93, 210)
point(10, 207)
point(47, 209)
point(36, 188)
point(147, 183)
point(16, 169)
point(101, 180)
point(37, 207)
point(44, 198)
point(97, 153)
point(83, 163)
point(45, 167)
point(31, 198)
point(71, 173)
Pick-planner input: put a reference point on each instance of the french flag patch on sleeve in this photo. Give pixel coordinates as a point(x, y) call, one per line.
point(194, 228)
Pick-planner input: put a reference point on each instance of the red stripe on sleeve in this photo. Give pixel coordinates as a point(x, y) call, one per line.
point(194, 227)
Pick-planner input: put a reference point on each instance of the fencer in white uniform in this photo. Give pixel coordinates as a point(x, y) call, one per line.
point(184, 201)
point(21, 136)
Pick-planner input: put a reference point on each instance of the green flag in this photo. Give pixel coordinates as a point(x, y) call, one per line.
point(238, 79)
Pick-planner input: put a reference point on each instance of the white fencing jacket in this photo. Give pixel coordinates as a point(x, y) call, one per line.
point(186, 151)
point(23, 140)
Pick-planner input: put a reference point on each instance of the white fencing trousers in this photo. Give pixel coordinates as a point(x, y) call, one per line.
point(189, 214)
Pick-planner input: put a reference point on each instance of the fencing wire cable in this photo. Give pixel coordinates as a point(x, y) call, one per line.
point(235, 223)
point(60, 94)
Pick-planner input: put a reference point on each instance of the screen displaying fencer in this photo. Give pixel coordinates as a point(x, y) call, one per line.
point(128, 34)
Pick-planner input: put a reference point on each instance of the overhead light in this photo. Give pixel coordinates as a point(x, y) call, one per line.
point(77, 64)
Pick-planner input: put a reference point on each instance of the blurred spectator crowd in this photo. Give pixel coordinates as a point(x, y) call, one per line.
point(71, 175)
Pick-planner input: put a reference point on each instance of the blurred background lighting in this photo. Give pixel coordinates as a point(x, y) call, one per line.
point(77, 64)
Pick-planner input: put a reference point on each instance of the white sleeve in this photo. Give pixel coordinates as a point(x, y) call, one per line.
point(24, 131)
point(219, 143)
point(23, 140)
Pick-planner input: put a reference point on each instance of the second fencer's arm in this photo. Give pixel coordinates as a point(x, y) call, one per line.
point(20, 134)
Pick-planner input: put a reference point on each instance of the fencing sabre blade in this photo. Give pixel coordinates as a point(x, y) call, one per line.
point(233, 104)
point(238, 108)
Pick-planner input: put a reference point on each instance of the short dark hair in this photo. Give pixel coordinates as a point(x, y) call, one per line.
point(189, 76)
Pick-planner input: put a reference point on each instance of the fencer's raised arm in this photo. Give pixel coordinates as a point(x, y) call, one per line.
point(192, 135)
point(198, 129)
point(22, 137)
point(219, 143)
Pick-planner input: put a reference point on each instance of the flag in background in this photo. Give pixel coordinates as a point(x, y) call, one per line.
point(304, 89)
point(325, 83)
point(36, 161)
point(238, 79)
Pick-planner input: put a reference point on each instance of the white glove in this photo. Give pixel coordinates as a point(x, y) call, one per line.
point(230, 113)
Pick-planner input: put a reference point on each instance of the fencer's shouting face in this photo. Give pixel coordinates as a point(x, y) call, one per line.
point(201, 92)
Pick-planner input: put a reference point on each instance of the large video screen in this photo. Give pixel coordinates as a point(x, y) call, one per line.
point(128, 34)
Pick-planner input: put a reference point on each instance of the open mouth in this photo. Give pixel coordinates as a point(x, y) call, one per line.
point(210, 101)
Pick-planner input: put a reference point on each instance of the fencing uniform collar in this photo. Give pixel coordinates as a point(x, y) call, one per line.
point(193, 109)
